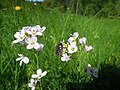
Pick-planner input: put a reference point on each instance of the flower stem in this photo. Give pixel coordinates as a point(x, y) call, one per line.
point(40, 85)
point(37, 61)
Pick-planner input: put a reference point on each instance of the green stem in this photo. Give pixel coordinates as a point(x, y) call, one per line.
point(40, 85)
point(37, 60)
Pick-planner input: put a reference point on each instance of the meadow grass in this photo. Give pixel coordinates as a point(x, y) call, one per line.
point(103, 34)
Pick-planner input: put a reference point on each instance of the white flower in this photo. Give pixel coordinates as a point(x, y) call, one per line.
point(71, 40)
point(88, 48)
point(82, 41)
point(40, 29)
point(65, 57)
point(32, 43)
point(32, 84)
point(26, 28)
point(40, 47)
point(22, 58)
point(32, 31)
point(36, 30)
point(72, 48)
point(20, 36)
point(75, 35)
point(39, 74)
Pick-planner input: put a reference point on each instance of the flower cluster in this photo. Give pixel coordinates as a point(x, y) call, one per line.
point(65, 50)
point(28, 36)
point(83, 42)
point(92, 71)
point(69, 48)
point(36, 78)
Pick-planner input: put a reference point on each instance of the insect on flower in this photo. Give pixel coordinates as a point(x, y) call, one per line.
point(59, 49)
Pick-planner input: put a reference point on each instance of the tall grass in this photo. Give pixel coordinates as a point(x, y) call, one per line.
point(103, 34)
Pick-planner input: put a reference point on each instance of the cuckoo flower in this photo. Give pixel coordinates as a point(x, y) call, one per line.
point(72, 48)
point(71, 40)
point(39, 74)
point(65, 57)
point(75, 35)
point(22, 58)
point(36, 30)
point(88, 48)
point(32, 43)
point(65, 50)
point(32, 84)
point(20, 36)
point(40, 30)
point(40, 47)
point(82, 41)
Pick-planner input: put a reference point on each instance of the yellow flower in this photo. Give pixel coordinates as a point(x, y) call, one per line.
point(18, 8)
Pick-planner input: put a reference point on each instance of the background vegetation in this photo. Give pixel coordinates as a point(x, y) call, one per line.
point(102, 33)
point(104, 8)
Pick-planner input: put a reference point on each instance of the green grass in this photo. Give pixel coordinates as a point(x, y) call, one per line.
point(103, 34)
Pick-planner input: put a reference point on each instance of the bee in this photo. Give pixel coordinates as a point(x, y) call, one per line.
point(59, 49)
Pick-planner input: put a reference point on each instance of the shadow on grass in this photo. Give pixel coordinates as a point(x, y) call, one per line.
point(109, 79)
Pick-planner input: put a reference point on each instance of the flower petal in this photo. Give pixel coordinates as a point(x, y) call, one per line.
point(88, 48)
point(36, 46)
point(17, 34)
point(29, 84)
point(16, 41)
point(34, 39)
point(34, 76)
point(43, 29)
point(75, 35)
point(18, 59)
point(71, 40)
point(44, 73)
point(32, 80)
point(39, 33)
point(28, 40)
point(82, 41)
point(40, 48)
point(29, 46)
point(65, 57)
point(26, 60)
point(21, 55)
point(33, 88)
point(72, 48)
point(39, 72)
point(21, 63)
